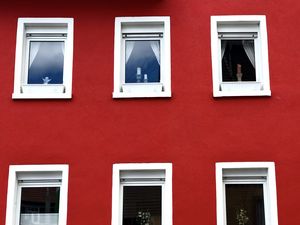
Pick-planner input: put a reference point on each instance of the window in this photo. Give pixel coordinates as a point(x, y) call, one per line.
point(37, 194)
point(239, 48)
point(142, 66)
point(246, 193)
point(44, 55)
point(142, 194)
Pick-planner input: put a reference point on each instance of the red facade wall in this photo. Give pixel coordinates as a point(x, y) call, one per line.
point(192, 129)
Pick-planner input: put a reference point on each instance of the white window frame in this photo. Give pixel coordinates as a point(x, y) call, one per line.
point(43, 29)
point(32, 171)
point(117, 189)
point(236, 24)
point(247, 173)
point(142, 25)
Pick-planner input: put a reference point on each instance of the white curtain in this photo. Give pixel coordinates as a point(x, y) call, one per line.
point(156, 49)
point(63, 47)
point(223, 47)
point(249, 49)
point(39, 219)
point(128, 49)
point(34, 49)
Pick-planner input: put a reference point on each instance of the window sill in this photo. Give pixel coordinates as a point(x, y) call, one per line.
point(241, 86)
point(142, 90)
point(41, 96)
point(244, 88)
point(241, 93)
point(43, 89)
point(40, 91)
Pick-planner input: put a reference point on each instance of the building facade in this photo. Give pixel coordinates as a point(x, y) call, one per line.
point(198, 130)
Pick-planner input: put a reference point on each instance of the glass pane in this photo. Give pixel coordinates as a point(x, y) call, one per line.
point(142, 61)
point(245, 204)
point(238, 60)
point(46, 62)
point(142, 205)
point(39, 205)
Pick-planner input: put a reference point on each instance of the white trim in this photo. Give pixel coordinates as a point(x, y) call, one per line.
point(241, 23)
point(12, 190)
point(167, 209)
point(40, 26)
point(270, 195)
point(148, 25)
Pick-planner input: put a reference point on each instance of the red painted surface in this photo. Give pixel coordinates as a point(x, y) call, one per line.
point(192, 129)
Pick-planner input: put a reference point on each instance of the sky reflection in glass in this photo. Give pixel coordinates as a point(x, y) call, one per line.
point(142, 61)
point(46, 62)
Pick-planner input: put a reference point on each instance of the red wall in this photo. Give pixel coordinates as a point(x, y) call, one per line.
point(192, 129)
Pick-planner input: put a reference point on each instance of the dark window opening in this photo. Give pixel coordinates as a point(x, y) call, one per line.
point(245, 204)
point(238, 60)
point(39, 205)
point(142, 205)
point(40, 200)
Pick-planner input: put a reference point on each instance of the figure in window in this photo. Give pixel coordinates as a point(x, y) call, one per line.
point(238, 60)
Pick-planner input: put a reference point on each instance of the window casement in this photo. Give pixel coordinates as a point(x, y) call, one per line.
point(37, 194)
point(239, 49)
point(142, 65)
point(142, 194)
point(44, 57)
point(246, 193)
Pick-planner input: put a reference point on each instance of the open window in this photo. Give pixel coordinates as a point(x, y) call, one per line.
point(142, 194)
point(37, 195)
point(239, 56)
point(44, 55)
point(246, 193)
point(142, 57)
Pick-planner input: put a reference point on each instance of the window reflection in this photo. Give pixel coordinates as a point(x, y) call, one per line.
point(39, 205)
point(142, 61)
point(142, 205)
point(46, 62)
point(245, 204)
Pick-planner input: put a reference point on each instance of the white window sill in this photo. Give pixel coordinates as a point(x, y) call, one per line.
point(142, 87)
point(142, 90)
point(242, 88)
point(242, 93)
point(41, 96)
point(43, 89)
point(40, 91)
